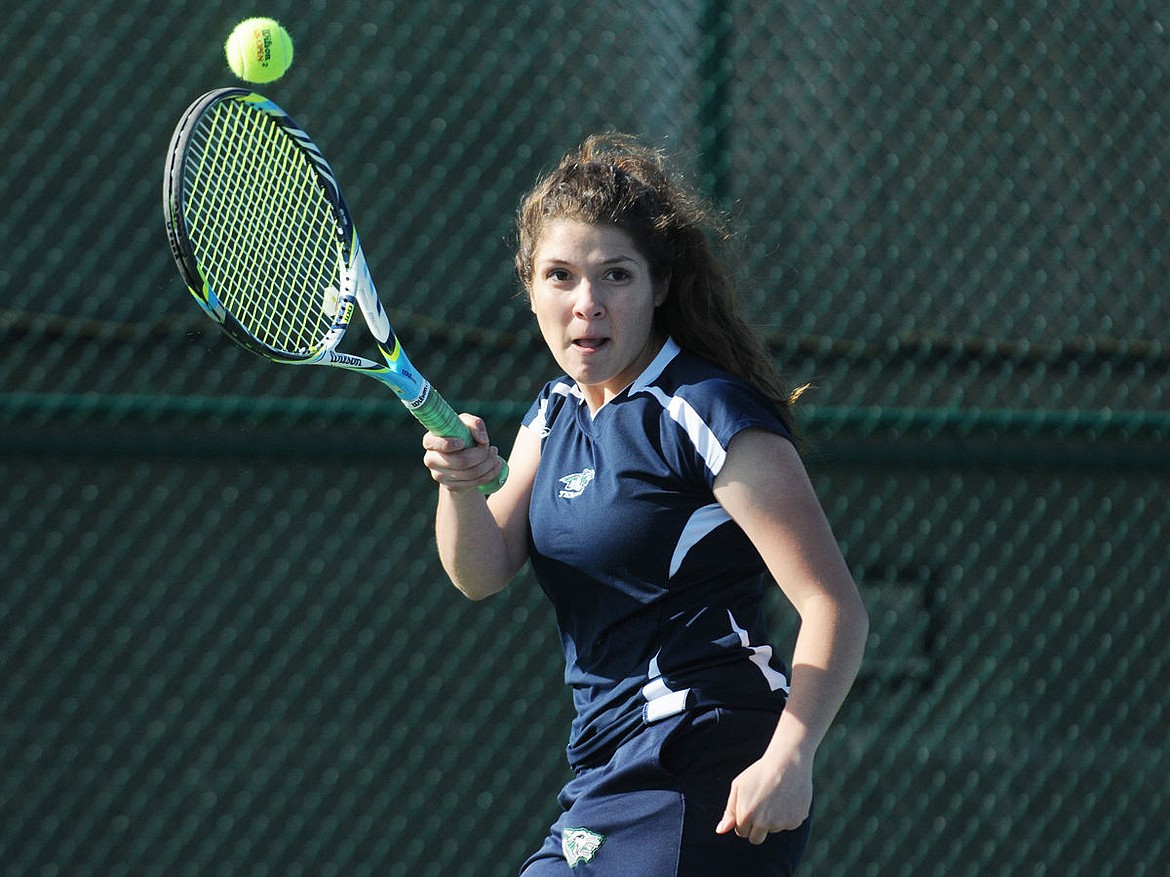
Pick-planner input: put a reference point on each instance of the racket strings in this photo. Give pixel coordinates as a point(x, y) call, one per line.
point(262, 228)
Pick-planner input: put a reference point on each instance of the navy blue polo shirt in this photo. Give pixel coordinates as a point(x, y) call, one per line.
point(658, 593)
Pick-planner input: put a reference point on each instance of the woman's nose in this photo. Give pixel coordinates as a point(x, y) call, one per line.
point(587, 304)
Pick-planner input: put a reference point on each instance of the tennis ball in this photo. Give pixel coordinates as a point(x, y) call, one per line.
point(259, 50)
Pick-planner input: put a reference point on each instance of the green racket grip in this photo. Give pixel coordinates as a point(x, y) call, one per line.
point(437, 415)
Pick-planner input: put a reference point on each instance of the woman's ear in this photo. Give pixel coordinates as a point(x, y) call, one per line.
point(662, 291)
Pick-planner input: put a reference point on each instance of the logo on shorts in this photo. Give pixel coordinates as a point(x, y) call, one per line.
point(575, 484)
point(580, 845)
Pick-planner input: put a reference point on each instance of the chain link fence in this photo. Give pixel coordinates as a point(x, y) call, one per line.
point(226, 646)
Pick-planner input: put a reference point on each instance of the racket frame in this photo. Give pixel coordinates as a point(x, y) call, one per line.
point(357, 292)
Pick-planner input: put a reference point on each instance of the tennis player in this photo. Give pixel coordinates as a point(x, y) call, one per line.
point(657, 490)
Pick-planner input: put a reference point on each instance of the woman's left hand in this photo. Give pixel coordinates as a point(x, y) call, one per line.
point(767, 798)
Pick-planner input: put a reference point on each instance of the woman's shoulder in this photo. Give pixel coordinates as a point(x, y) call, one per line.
point(550, 400)
point(678, 370)
point(693, 386)
point(698, 380)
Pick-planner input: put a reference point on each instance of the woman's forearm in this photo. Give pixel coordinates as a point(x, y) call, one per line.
point(471, 543)
point(825, 662)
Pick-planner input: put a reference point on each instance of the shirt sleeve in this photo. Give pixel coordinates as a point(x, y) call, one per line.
point(547, 405)
point(718, 410)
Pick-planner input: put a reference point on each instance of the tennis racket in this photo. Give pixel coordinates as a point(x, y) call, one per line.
point(264, 241)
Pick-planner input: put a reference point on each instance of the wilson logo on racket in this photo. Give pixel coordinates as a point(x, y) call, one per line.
point(343, 359)
point(420, 400)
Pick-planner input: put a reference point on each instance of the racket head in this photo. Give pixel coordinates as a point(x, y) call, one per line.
point(258, 227)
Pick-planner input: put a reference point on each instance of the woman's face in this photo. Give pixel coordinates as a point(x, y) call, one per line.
point(594, 301)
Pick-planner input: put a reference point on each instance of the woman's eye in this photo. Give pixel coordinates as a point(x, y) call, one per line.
point(617, 275)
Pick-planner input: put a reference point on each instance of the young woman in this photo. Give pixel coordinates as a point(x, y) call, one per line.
point(655, 488)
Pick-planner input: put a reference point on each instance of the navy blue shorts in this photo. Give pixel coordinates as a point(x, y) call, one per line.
point(651, 811)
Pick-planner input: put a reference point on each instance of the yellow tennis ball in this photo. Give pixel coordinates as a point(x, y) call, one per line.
point(259, 50)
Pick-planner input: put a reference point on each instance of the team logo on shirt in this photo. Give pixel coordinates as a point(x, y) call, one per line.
point(575, 484)
point(580, 845)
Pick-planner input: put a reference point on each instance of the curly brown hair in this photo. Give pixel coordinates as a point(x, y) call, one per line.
point(613, 179)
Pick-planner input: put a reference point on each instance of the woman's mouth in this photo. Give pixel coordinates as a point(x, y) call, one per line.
point(590, 344)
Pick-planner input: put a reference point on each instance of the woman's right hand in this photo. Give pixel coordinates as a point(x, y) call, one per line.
point(458, 468)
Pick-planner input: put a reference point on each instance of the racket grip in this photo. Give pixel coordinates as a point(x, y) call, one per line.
point(437, 415)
